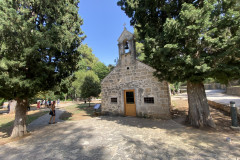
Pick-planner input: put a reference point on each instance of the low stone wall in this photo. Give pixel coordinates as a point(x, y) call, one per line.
point(210, 86)
point(222, 107)
point(233, 90)
point(214, 86)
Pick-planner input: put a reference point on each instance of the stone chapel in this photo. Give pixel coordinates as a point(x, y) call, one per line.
point(130, 89)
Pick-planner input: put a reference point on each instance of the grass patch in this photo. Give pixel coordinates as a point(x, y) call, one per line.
point(78, 112)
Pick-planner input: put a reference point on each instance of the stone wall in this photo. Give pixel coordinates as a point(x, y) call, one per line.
point(139, 77)
point(214, 86)
point(233, 90)
point(223, 107)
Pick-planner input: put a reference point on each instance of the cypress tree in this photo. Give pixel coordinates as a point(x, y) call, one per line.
point(38, 48)
point(189, 41)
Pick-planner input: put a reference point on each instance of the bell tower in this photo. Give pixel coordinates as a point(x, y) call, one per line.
point(127, 48)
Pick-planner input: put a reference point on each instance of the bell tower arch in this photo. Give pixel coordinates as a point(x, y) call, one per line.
point(127, 48)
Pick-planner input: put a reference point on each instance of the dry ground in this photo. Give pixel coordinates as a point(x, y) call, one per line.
point(78, 112)
point(221, 119)
point(7, 120)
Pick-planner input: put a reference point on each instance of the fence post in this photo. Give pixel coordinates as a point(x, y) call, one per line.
point(234, 114)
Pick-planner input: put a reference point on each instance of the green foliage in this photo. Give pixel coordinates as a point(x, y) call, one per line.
point(50, 95)
point(88, 65)
point(2, 100)
point(139, 47)
point(188, 41)
point(38, 47)
point(66, 85)
point(110, 67)
point(210, 80)
point(101, 70)
point(175, 86)
point(140, 52)
point(88, 59)
point(90, 87)
point(80, 78)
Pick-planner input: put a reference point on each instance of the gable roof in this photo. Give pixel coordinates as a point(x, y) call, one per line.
point(149, 68)
point(109, 74)
point(125, 35)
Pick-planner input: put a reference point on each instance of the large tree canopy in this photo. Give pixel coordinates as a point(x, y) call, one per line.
point(38, 47)
point(189, 41)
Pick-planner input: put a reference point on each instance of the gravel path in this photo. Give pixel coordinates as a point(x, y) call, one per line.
point(43, 120)
point(122, 138)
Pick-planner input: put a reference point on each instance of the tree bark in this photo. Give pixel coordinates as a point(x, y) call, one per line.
point(19, 128)
point(198, 113)
point(12, 105)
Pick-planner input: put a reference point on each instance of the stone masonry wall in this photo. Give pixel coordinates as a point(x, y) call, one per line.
point(235, 90)
point(139, 77)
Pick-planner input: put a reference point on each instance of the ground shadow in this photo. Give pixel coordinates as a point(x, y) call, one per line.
point(206, 144)
point(59, 141)
point(65, 116)
point(89, 110)
point(6, 128)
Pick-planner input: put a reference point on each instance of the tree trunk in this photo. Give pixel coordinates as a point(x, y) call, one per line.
point(198, 113)
point(20, 128)
point(12, 105)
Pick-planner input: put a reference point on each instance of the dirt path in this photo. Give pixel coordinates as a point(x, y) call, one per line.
point(122, 138)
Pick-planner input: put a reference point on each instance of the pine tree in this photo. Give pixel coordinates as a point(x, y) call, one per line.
point(189, 41)
point(38, 48)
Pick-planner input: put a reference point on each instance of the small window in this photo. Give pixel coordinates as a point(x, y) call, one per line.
point(148, 100)
point(114, 100)
point(127, 68)
point(130, 97)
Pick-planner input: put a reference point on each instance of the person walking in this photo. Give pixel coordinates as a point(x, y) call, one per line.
point(38, 104)
point(52, 113)
point(43, 103)
point(47, 103)
point(58, 101)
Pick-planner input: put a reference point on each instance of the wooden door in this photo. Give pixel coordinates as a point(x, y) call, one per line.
point(129, 103)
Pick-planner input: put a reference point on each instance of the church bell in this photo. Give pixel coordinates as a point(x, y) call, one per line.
point(126, 46)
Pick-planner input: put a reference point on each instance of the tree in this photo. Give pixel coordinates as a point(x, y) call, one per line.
point(66, 88)
point(189, 42)
point(110, 67)
point(80, 78)
point(90, 87)
point(101, 70)
point(139, 51)
point(38, 48)
point(139, 47)
point(88, 59)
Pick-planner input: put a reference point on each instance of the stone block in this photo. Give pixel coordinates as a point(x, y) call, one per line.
point(148, 90)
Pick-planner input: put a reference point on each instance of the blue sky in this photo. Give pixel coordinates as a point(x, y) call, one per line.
point(103, 24)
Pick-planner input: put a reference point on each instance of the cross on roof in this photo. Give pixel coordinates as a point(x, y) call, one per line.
point(124, 25)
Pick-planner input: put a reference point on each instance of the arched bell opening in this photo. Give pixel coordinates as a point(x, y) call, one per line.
point(126, 47)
